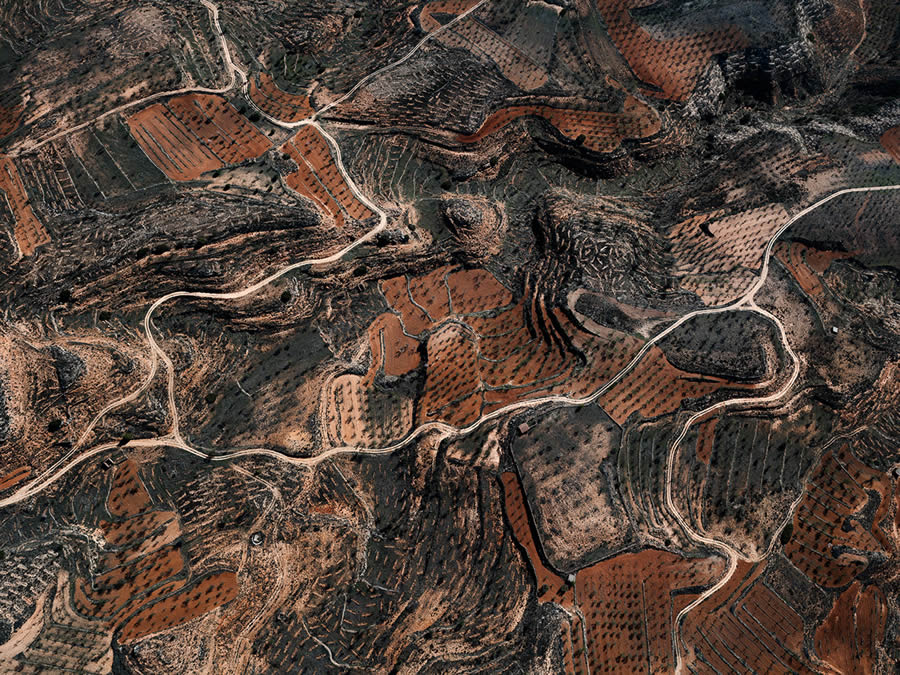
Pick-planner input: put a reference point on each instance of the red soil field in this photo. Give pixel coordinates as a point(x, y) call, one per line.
point(431, 294)
point(472, 290)
point(503, 359)
point(111, 591)
point(656, 387)
point(705, 439)
point(15, 477)
point(806, 263)
point(890, 139)
point(451, 7)
point(144, 566)
point(277, 103)
point(824, 519)
point(520, 353)
point(210, 592)
point(192, 134)
point(27, 229)
point(145, 579)
point(598, 131)
point(849, 636)
point(10, 116)
point(629, 603)
point(124, 532)
point(673, 65)
point(304, 182)
point(840, 29)
point(400, 354)
point(453, 384)
point(745, 625)
point(739, 240)
point(551, 586)
point(414, 319)
point(317, 177)
point(127, 496)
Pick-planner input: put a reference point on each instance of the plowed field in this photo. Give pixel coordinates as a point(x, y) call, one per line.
point(192, 134)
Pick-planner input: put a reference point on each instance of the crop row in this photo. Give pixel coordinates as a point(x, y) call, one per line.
point(317, 177)
point(192, 134)
point(745, 625)
point(277, 103)
point(140, 586)
point(14, 477)
point(629, 602)
point(828, 543)
point(503, 352)
point(551, 587)
point(671, 66)
point(849, 638)
point(598, 131)
point(29, 232)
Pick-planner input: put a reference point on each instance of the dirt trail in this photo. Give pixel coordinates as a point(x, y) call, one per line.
point(232, 69)
point(175, 439)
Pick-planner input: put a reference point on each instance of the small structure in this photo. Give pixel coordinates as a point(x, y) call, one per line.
point(523, 428)
point(256, 539)
point(834, 329)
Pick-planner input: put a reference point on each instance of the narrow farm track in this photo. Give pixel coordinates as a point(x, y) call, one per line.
point(174, 438)
point(155, 352)
point(226, 54)
point(365, 80)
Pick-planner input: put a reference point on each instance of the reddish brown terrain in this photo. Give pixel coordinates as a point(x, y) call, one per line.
point(670, 65)
point(317, 177)
point(277, 103)
point(599, 131)
point(858, 614)
point(28, 231)
point(191, 135)
point(450, 336)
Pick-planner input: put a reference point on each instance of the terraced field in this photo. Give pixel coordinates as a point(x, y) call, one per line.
point(670, 65)
point(745, 622)
point(143, 584)
point(317, 177)
point(449, 337)
point(28, 231)
point(277, 103)
point(598, 131)
point(190, 135)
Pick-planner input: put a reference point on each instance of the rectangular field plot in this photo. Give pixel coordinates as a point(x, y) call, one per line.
point(318, 179)
point(28, 231)
point(279, 104)
point(192, 134)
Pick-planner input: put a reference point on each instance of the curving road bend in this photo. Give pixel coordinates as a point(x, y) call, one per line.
point(232, 69)
point(174, 439)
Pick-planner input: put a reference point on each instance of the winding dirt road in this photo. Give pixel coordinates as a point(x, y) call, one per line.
point(176, 440)
point(232, 69)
